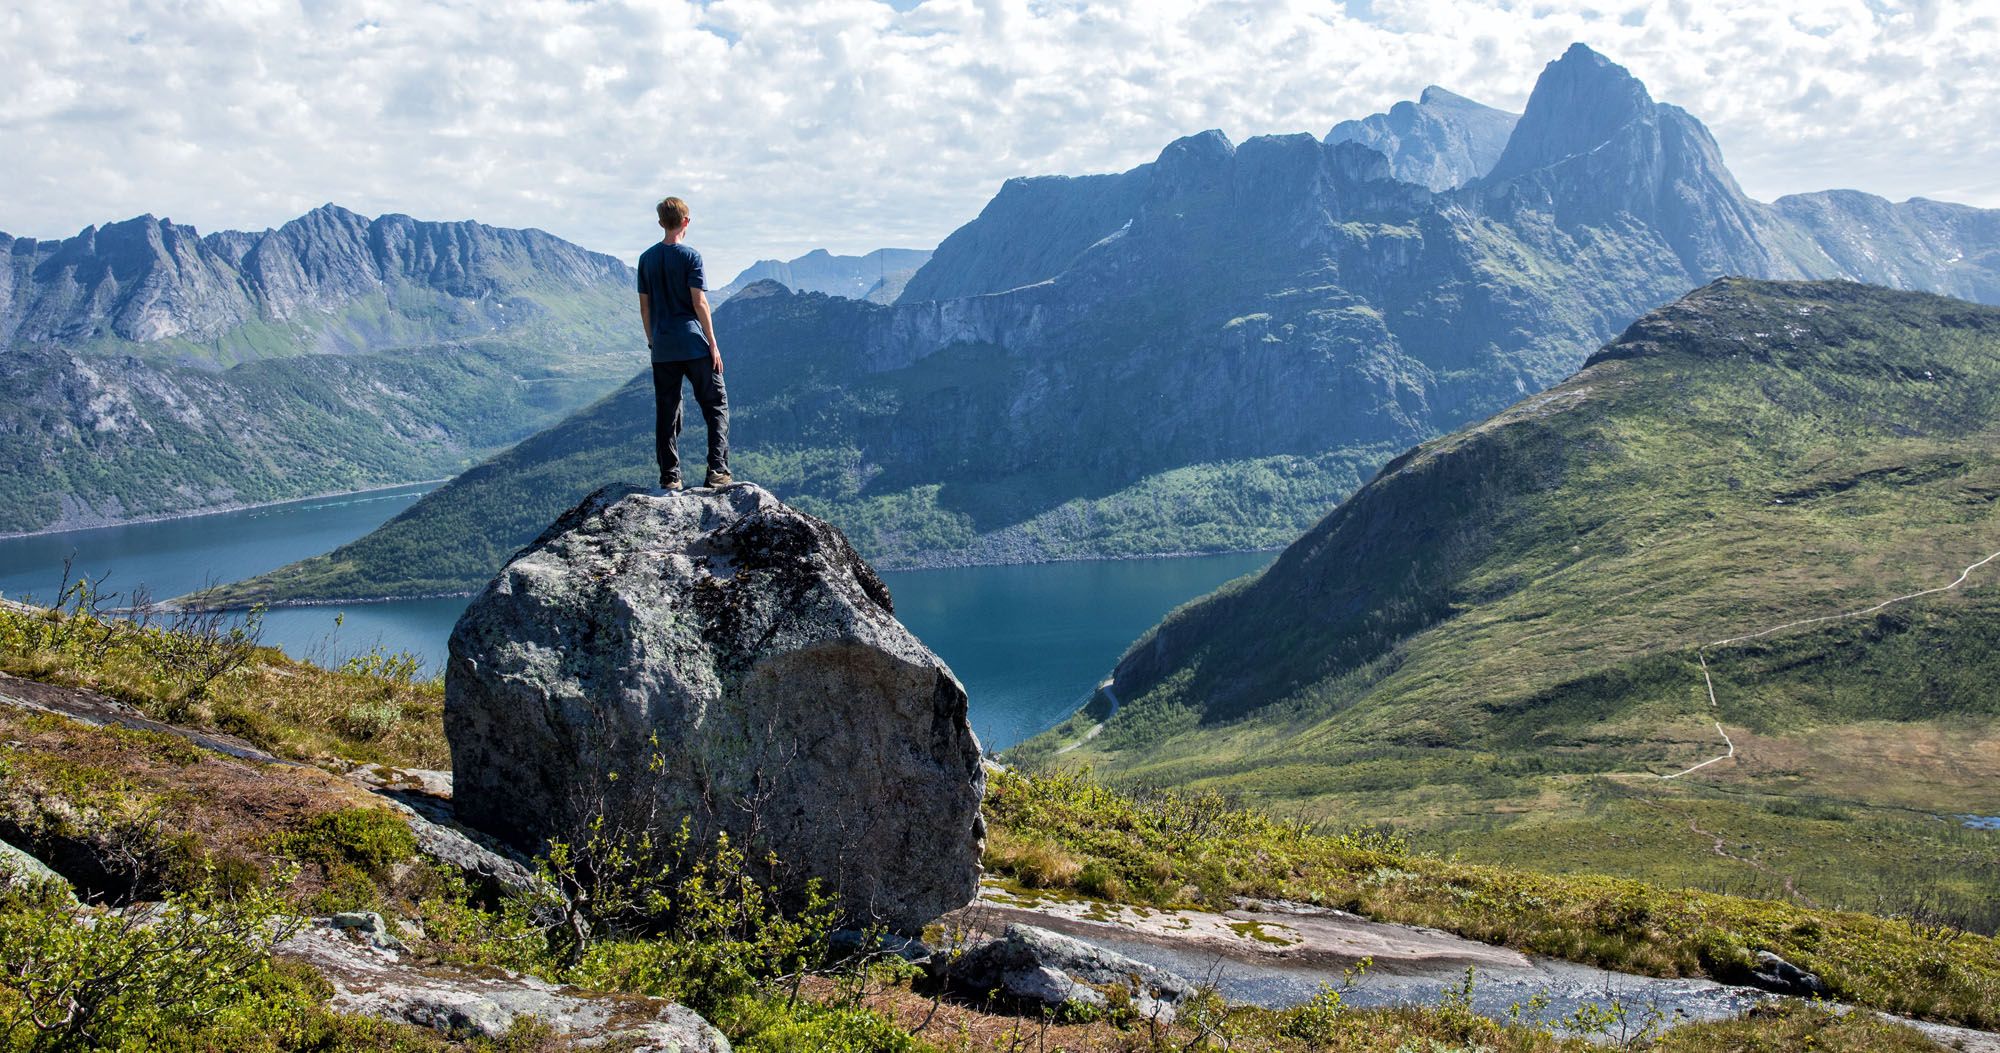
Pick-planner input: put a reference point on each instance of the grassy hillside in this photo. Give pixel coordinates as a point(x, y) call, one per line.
point(311, 841)
point(1493, 644)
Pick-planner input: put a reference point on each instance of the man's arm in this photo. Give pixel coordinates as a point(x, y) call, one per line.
point(646, 316)
point(700, 298)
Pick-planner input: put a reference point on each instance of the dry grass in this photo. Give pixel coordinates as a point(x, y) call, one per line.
point(293, 709)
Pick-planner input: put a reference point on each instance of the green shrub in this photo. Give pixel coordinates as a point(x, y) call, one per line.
point(803, 1027)
point(370, 840)
point(713, 932)
point(83, 978)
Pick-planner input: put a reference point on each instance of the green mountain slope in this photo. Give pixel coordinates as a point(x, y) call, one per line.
point(1496, 637)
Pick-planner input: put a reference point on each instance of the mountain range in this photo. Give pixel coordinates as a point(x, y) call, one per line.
point(146, 369)
point(1207, 351)
point(878, 276)
point(1521, 639)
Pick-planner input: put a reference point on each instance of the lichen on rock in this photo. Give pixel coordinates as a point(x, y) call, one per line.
point(739, 667)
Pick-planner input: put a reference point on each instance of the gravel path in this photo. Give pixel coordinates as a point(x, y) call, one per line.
point(1701, 652)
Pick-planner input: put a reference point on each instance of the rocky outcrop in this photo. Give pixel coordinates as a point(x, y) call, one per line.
point(243, 794)
point(1773, 973)
point(740, 668)
point(370, 978)
point(1033, 965)
point(20, 868)
point(1440, 141)
point(424, 799)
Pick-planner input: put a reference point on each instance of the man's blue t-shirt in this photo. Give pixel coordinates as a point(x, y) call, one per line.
point(666, 272)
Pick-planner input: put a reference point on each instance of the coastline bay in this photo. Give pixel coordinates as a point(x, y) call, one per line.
point(1029, 641)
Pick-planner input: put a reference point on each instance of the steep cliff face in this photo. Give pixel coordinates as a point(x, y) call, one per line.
point(1914, 244)
point(153, 370)
point(1594, 150)
point(1440, 141)
point(1031, 230)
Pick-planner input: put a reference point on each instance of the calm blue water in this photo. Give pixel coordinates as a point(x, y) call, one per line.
point(1030, 642)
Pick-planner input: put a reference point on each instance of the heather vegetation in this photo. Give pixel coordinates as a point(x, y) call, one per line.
point(247, 850)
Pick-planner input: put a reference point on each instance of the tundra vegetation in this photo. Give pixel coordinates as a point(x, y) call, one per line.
point(246, 852)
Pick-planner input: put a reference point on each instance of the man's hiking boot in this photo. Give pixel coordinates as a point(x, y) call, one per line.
point(719, 479)
point(670, 485)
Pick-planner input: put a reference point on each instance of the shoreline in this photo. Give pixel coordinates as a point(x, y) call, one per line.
point(893, 568)
point(167, 517)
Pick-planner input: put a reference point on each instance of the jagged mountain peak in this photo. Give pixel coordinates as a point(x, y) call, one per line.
point(1580, 102)
point(1440, 141)
point(1593, 149)
point(1433, 95)
point(1210, 145)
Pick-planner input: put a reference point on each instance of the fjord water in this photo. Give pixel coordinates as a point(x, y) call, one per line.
point(1030, 642)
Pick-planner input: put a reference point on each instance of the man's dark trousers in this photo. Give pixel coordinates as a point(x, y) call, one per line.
point(714, 403)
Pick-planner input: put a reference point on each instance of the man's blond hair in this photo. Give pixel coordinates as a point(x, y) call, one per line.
point(673, 212)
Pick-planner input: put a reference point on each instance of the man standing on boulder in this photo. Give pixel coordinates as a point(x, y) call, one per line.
point(673, 304)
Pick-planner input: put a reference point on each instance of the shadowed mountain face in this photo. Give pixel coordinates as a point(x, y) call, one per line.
point(1440, 141)
point(152, 370)
point(1209, 350)
point(878, 276)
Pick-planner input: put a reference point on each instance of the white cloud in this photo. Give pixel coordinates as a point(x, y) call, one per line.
point(848, 124)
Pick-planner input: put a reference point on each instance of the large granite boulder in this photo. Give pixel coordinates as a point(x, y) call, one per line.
point(740, 668)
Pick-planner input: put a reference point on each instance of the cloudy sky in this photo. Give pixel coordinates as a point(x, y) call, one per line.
point(850, 124)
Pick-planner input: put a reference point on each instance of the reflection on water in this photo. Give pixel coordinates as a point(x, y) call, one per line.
point(1029, 642)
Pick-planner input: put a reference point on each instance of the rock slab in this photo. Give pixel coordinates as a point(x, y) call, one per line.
point(740, 668)
point(372, 980)
point(1037, 966)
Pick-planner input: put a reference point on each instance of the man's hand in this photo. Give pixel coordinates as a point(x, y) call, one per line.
point(715, 359)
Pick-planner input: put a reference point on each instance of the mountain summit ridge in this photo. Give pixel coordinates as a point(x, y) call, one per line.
point(145, 280)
